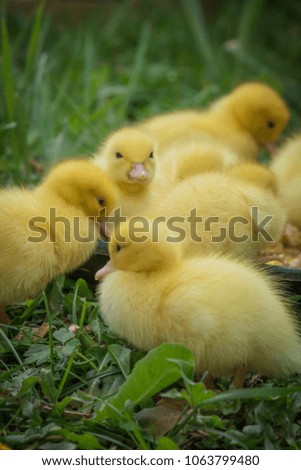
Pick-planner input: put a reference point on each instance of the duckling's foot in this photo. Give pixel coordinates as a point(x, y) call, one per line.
point(4, 318)
point(239, 377)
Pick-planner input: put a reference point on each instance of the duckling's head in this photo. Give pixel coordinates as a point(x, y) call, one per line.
point(130, 158)
point(80, 184)
point(145, 249)
point(260, 111)
point(255, 174)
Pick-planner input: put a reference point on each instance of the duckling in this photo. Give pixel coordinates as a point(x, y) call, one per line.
point(255, 174)
point(228, 313)
point(253, 114)
point(50, 229)
point(221, 213)
point(128, 158)
point(286, 165)
point(193, 155)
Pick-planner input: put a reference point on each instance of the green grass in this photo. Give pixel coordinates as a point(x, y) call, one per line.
point(65, 88)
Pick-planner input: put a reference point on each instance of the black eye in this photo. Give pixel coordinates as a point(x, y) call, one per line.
point(101, 201)
point(271, 124)
point(118, 155)
point(118, 248)
point(151, 155)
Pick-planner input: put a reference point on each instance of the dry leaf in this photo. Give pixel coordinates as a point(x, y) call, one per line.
point(162, 418)
point(37, 332)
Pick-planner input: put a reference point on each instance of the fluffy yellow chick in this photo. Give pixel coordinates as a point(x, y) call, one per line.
point(286, 165)
point(218, 212)
point(128, 158)
point(255, 174)
point(51, 229)
point(228, 313)
point(253, 114)
point(194, 155)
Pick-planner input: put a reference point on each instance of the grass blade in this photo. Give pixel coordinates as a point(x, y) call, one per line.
point(139, 63)
point(50, 333)
point(34, 39)
point(251, 12)
point(66, 373)
point(196, 21)
point(11, 347)
point(74, 306)
point(7, 73)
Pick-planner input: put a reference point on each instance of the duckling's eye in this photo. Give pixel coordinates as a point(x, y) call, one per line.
point(271, 124)
point(101, 201)
point(118, 248)
point(151, 155)
point(118, 155)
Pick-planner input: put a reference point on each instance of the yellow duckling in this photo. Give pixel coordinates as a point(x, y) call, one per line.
point(51, 229)
point(194, 155)
point(286, 165)
point(253, 114)
point(128, 158)
point(220, 212)
point(255, 174)
point(229, 314)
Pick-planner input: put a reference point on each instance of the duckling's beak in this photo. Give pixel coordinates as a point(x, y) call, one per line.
point(271, 148)
point(107, 269)
point(138, 172)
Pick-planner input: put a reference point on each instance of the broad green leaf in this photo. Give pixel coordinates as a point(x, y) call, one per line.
point(60, 406)
point(96, 324)
point(196, 393)
point(47, 384)
point(82, 289)
point(165, 443)
point(68, 348)
point(55, 294)
point(150, 375)
point(63, 335)
point(110, 385)
point(27, 385)
point(86, 341)
point(83, 441)
point(38, 354)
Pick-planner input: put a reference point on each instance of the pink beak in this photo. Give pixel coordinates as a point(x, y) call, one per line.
point(138, 171)
point(271, 148)
point(107, 269)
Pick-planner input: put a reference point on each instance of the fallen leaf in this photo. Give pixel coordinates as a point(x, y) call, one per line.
point(37, 332)
point(160, 418)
